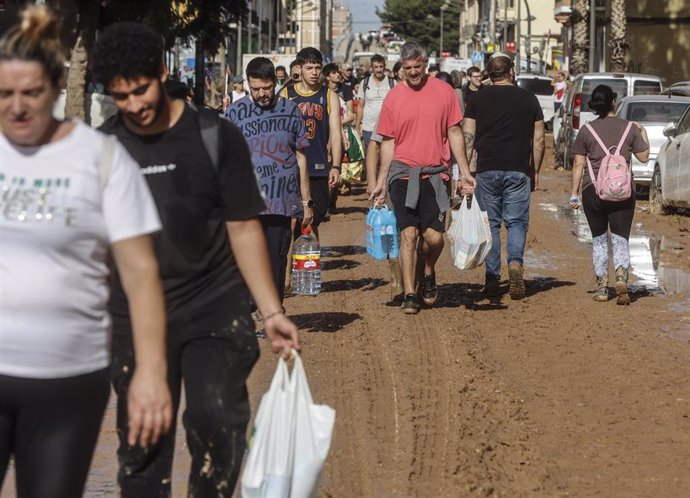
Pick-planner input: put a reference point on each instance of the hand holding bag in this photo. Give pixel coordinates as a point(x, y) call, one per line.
point(290, 440)
point(469, 235)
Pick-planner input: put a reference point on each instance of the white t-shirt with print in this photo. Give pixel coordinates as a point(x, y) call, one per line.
point(559, 91)
point(56, 225)
point(373, 100)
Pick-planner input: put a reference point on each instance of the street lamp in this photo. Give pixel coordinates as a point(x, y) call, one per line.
point(444, 7)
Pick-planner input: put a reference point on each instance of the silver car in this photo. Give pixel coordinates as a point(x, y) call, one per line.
point(670, 186)
point(653, 112)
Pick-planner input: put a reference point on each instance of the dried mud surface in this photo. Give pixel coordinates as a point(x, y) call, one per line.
point(552, 396)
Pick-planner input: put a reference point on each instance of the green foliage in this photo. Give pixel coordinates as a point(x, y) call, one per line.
point(420, 20)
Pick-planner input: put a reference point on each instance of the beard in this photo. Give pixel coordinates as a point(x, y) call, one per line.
point(265, 103)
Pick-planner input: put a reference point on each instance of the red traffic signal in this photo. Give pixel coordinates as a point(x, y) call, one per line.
point(510, 46)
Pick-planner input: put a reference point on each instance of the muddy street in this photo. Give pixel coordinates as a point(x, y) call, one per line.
point(552, 396)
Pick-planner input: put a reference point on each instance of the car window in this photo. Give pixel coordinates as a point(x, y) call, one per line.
point(655, 112)
point(619, 86)
point(536, 86)
point(684, 124)
point(646, 87)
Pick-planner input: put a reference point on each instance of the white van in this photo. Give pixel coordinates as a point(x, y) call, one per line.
point(576, 110)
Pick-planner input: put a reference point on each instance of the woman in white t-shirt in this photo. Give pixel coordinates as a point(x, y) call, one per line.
point(68, 195)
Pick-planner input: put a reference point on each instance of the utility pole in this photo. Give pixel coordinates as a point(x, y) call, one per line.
point(518, 41)
point(592, 34)
point(529, 37)
point(238, 62)
point(492, 21)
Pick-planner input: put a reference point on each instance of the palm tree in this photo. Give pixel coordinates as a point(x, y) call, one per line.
point(618, 44)
point(580, 37)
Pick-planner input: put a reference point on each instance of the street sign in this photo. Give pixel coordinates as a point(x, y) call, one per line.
point(477, 57)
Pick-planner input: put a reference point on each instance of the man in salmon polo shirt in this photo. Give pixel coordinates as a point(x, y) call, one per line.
point(419, 123)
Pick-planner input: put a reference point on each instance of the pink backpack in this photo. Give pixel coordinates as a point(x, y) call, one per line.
point(614, 181)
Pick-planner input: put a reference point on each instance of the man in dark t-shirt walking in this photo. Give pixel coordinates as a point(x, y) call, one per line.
point(508, 124)
point(210, 250)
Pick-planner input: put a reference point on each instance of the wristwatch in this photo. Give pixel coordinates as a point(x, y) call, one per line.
point(309, 203)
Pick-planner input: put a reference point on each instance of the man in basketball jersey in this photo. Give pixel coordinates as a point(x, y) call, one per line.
point(320, 110)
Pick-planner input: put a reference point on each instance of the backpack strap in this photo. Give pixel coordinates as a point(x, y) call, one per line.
point(597, 138)
point(366, 85)
point(106, 160)
point(391, 82)
point(209, 125)
point(625, 135)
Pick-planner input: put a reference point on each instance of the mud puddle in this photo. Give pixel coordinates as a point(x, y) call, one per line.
point(652, 273)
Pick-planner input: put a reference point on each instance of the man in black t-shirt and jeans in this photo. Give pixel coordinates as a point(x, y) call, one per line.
point(508, 124)
point(211, 252)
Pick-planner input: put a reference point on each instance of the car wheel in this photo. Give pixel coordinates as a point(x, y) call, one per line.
point(656, 205)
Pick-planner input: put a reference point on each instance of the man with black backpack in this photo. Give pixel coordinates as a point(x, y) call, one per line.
point(372, 91)
point(212, 253)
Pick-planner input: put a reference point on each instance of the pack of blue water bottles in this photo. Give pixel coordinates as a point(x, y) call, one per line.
point(382, 233)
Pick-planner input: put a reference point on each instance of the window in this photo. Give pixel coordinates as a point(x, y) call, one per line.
point(655, 112)
point(536, 86)
point(684, 124)
point(646, 87)
point(619, 86)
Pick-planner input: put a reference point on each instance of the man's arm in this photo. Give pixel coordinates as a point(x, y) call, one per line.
point(149, 404)
point(538, 145)
point(249, 247)
point(469, 128)
point(336, 140)
point(371, 159)
point(456, 140)
point(304, 187)
point(360, 115)
point(387, 149)
point(350, 115)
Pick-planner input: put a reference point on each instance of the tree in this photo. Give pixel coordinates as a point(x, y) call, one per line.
point(206, 21)
point(420, 20)
point(618, 41)
point(579, 63)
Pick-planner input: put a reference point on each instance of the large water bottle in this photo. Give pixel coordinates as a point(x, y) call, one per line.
point(390, 239)
point(306, 265)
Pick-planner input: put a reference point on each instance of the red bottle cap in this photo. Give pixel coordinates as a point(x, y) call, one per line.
point(306, 231)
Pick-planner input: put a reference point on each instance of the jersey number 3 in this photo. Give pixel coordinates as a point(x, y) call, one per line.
point(311, 128)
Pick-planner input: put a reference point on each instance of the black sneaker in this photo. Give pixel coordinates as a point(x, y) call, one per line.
point(411, 304)
point(429, 289)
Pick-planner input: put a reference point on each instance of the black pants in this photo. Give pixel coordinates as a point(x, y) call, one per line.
point(51, 427)
point(278, 232)
point(604, 214)
point(214, 369)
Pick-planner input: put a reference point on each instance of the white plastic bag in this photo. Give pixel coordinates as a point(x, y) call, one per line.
point(469, 235)
point(290, 439)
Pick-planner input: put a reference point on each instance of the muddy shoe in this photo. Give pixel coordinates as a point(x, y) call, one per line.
point(601, 295)
point(517, 284)
point(622, 296)
point(429, 289)
point(410, 305)
point(492, 288)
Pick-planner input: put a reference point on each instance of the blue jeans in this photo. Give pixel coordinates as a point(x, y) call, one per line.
point(505, 196)
point(366, 138)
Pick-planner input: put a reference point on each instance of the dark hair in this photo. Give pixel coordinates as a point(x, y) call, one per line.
point(309, 55)
point(602, 100)
point(434, 67)
point(261, 68)
point(472, 70)
point(444, 76)
point(499, 68)
point(281, 68)
point(396, 67)
point(127, 50)
point(378, 58)
point(294, 63)
point(329, 68)
point(36, 39)
point(177, 89)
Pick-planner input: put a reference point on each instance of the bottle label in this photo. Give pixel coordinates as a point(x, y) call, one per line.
point(307, 262)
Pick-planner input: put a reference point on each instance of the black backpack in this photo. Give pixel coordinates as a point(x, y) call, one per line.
point(391, 84)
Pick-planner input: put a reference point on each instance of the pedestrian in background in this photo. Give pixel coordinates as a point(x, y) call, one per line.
point(607, 134)
point(70, 196)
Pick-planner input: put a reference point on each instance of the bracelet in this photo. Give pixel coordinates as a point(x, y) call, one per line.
point(338, 167)
point(281, 311)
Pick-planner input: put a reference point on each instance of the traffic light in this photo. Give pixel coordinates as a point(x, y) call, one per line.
point(510, 46)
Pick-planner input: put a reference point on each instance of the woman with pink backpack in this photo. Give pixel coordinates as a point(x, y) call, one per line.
point(606, 146)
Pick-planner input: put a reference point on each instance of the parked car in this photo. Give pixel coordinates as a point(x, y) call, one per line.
point(653, 112)
point(541, 87)
point(678, 89)
point(670, 187)
point(577, 112)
